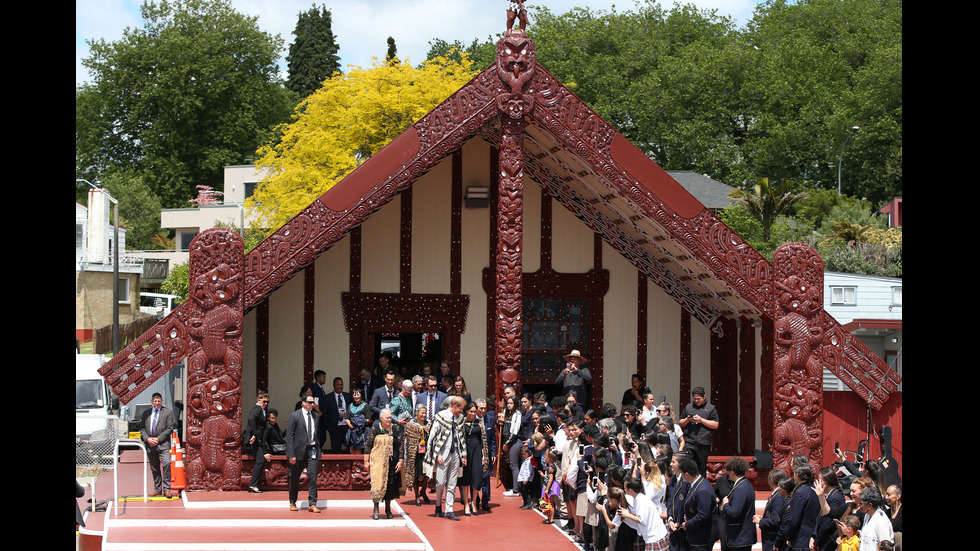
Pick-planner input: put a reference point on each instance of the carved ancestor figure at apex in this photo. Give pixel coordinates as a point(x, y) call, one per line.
point(516, 10)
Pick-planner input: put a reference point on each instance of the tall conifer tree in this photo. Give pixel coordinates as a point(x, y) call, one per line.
point(392, 55)
point(313, 54)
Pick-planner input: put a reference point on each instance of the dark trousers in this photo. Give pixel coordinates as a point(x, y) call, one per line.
point(485, 488)
point(337, 437)
point(310, 462)
point(259, 466)
point(700, 456)
point(159, 461)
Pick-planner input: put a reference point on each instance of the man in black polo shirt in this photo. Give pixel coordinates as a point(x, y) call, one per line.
point(699, 421)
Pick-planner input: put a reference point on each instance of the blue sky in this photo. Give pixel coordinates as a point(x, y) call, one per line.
point(363, 26)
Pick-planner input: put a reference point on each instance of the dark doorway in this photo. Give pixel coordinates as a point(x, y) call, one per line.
point(409, 350)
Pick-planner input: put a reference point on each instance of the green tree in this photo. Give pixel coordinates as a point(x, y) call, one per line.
point(195, 89)
point(767, 202)
point(825, 66)
point(774, 99)
point(482, 54)
point(313, 55)
point(177, 282)
point(139, 208)
point(391, 57)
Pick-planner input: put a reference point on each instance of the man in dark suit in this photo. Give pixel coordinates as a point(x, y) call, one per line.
point(320, 394)
point(738, 507)
point(334, 409)
point(256, 438)
point(489, 424)
point(367, 384)
point(432, 398)
point(699, 508)
point(155, 428)
point(302, 451)
point(384, 395)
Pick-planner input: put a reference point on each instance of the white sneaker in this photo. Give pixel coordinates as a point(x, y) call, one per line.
point(512, 493)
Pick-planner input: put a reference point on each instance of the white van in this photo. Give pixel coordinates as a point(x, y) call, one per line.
point(157, 304)
point(95, 424)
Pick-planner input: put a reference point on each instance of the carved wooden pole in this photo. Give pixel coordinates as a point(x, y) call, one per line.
point(214, 363)
point(798, 335)
point(515, 98)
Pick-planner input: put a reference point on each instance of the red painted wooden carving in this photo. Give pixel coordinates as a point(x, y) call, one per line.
point(798, 370)
point(214, 366)
point(515, 69)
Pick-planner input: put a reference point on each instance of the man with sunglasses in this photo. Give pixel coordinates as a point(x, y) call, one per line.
point(255, 435)
point(432, 398)
point(302, 451)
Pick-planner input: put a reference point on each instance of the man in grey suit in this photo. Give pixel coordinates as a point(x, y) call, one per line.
point(155, 428)
point(302, 451)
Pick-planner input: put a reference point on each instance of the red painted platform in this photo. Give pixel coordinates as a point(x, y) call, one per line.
point(242, 521)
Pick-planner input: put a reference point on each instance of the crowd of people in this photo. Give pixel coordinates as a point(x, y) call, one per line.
point(637, 481)
point(632, 478)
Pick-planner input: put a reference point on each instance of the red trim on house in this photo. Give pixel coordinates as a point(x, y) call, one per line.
point(262, 345)
point(854, 325)
point(456, 227)
point(684, 392)
point(355, 260)
point(309, 320)
point(724, 375)
point(405, 263)
point(642, 300)
point(546, 221)
point(491, 289)
point(746, 385)
point(767, 380)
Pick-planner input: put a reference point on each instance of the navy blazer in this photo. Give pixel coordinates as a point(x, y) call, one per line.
point(437, 401)
point(699, 509)
point(738, 514)
point(329, 407)
point(489, 422)
point(769, 523)
point(379, 400)
point(804, 508)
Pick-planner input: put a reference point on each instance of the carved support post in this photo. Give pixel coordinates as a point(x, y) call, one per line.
point(515, 68)
point(214, 365)
point(798, 337)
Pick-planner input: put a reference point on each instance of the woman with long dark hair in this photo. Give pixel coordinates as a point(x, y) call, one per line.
point(511, 439)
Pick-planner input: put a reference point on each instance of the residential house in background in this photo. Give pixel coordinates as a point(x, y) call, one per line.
point(228, 208)
point(93, 269)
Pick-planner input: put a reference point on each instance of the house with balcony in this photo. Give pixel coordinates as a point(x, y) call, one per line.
point(94, 242)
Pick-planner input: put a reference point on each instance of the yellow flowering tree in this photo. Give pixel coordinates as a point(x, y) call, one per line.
point(349, 119)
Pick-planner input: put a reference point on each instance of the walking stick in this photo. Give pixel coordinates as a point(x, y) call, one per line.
point(500, 449)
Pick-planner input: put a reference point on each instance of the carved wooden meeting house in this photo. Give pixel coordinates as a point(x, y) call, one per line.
point(584, 243)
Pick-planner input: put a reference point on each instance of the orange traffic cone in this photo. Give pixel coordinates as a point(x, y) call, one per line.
point(177, 480)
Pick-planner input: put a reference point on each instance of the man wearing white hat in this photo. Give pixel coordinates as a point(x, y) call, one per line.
point(575, 376)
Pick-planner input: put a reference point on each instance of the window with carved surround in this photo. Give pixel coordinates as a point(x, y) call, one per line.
point(552, 327)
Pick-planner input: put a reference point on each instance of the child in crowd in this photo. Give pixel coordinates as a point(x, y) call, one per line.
point(551, 489)
point(524, 478)
point(850, 529)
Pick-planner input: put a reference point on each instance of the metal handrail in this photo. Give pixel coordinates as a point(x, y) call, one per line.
point(115, 469)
